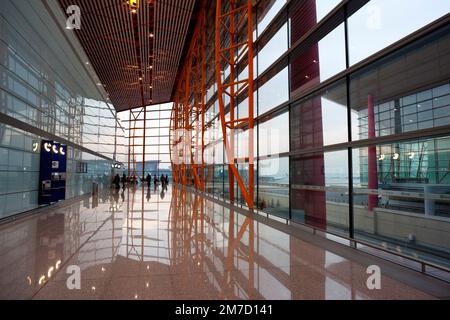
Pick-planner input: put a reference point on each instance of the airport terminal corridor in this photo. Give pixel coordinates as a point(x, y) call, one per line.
point(225, 150)
point(170, 243)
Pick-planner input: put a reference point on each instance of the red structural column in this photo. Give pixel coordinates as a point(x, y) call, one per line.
point(372, 155)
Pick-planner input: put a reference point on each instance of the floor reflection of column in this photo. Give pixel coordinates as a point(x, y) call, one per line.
point(308, 283)
point(202, 233)
point(251, 263)
point(197, 233)
point(233, 245)
point(142, 222)
point(172, 223)
point(189, 242)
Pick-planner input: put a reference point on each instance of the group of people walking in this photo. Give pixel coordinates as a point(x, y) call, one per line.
point(164, 180)
point(133, 181)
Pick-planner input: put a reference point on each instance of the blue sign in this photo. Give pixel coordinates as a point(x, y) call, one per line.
point(52, 176)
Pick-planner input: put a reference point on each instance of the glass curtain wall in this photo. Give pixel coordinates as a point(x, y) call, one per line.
point(49, 93)
point(353, 120)
point(151, 130)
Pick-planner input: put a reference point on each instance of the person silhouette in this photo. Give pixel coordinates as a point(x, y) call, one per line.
point(149, 180)
point(117, 181)
point(124, 179)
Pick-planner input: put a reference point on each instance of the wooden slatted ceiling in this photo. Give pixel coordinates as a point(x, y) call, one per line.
point(124, 47)
point(172, 19)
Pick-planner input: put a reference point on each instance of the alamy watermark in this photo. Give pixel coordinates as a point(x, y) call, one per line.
point(73, 282)
point(74, 19)
point(373, 282)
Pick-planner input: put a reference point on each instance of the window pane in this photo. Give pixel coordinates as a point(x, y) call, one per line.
point(274, 136)
point(304, 15)
point(267, 10)
point(273, 192)
point(401, 196)
point(319, 183)
point(273, 49)
point(386, 98)
point(320, 120)
point(320, 62)
point(274, 92)
point(382, 22)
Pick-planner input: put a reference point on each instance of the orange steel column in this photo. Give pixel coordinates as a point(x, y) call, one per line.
point(191, 84)
point(231, 17)
point(132, 146)
point(178, 125)
point(181, 125)
point(129, 144)
point(198, 86)
point(203, 85)
point(187, 125)
point(193, 69)
point(173, 151)
point(144, 133)
point(170, 144)
point(188, 109)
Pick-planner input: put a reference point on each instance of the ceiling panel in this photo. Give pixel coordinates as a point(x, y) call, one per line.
point(135, 50)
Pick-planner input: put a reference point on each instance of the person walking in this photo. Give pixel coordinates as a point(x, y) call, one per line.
point(117, 181)
point(149, 180)
point(124, 180)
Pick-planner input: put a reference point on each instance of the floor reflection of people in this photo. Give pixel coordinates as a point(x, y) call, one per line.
point(149, 196)
point(122, 195)
point(163, 193)
point(116, 196)
point(104, 195)
point(124, 180)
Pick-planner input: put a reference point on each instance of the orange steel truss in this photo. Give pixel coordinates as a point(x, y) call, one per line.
point(188, 115)
point(233, 53)
point(234, 42)
point(137, 116)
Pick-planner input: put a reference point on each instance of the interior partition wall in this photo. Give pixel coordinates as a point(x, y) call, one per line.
point(49, 91)
point(352, 121)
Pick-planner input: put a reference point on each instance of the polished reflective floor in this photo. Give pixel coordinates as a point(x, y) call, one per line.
point(172, 244)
